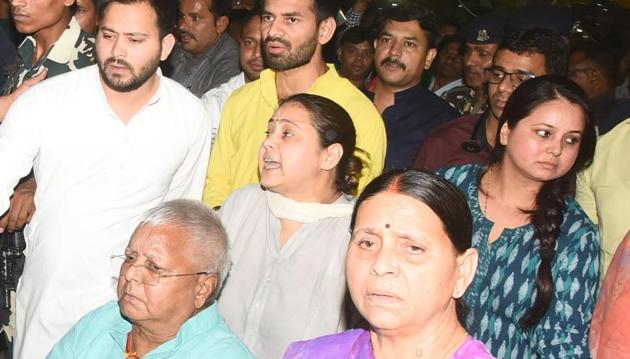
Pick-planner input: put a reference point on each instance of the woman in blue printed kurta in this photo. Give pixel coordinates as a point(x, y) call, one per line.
point(535, 287)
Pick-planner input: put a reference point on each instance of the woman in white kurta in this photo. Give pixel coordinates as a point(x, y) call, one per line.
point(290, 234)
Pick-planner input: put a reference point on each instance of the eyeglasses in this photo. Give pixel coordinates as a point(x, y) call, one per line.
point(148, 274)
point(496, 76)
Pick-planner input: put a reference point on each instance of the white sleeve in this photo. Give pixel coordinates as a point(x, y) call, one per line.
point(20, 139)
point(189, 179)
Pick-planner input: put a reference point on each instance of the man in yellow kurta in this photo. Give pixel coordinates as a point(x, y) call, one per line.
point(603, 190)
point(294, 32)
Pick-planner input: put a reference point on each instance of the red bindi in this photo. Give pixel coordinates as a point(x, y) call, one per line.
point(387, 225)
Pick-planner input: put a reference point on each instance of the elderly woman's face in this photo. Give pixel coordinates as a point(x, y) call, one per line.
point(171, 299)
point(290, 158)
point(401, 267)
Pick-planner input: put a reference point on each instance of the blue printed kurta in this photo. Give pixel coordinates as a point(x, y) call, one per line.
point(505, 283)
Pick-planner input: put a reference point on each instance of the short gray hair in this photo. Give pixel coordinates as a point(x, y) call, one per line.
point(205, 231)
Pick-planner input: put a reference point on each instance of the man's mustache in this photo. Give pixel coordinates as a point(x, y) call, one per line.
point(284, 42)
point(20, 11)
point(393, 61)
point(112, 60)
point(182, 33)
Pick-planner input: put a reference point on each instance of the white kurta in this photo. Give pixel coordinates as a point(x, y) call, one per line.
point(274, 296)
point(95, 176)
point(215, 99)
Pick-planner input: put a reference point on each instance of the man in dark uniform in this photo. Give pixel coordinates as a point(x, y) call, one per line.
point(482, 37)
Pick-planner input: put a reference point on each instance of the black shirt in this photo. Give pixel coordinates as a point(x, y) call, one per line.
point(415, 112)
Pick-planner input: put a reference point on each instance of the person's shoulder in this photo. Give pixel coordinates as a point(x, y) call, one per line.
point(224, 344)
point(249, 194)
point(227, 52)
point(71, 83)
point(465, 123)
point(576, 217)
point(472, 349)
point(103, 316)
point(342, 91)
point(619, 134)
point(338, 345)
point(460, 173)
point(216, 339)
point(178, 94)
point(223, 91)
point(581, 233)
point(230, 44)
point(433, 99)
point(244, 94)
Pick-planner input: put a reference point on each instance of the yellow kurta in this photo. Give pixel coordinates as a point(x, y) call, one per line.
point(603, 190)
point(234, 158)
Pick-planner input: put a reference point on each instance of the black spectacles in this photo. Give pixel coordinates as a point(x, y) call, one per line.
point(147, 274)
point(496, 76)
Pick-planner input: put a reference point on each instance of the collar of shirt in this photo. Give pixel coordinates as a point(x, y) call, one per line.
point(199, 324)
point(58, 53)
point(412, 94)
point(101, 92)
point(268, 83)
point(448, 86)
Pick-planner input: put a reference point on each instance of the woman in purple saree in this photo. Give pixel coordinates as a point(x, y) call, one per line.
point(408, 264)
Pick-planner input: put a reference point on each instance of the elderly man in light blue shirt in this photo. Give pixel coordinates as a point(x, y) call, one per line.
point(169, 276)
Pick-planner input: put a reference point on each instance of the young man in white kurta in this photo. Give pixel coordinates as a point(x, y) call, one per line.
point(95, 176)
point(106, 143)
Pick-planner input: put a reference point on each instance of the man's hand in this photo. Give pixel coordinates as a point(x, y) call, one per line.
point(7, 101)
point(22, 207)
point(28, 83)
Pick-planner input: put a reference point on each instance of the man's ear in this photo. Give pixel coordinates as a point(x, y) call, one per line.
point(339, 52)
point(205, 288)
point(67, 3)
point(467, 267)
point(326, 30)
point(167, 46)
point(331, 156)
point(431, 53)
point(222, 24)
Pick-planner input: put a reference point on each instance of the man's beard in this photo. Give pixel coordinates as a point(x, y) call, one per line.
point(303, 55)
point(115, 83)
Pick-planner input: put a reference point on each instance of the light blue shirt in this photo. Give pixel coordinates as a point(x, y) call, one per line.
point(102, 334)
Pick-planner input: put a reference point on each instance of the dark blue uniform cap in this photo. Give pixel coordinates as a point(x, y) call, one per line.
point(485, 29)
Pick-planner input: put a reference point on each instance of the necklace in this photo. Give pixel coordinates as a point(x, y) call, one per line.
point(129, 353)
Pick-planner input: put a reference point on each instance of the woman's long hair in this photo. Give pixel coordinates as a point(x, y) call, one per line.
point(548, 213)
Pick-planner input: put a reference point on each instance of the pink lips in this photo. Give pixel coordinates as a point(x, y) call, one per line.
point(382, 297)
point(549, 165)
point(20, 17)
point(275, 47)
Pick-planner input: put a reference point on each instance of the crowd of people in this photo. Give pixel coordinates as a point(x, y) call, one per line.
point(290, 182)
